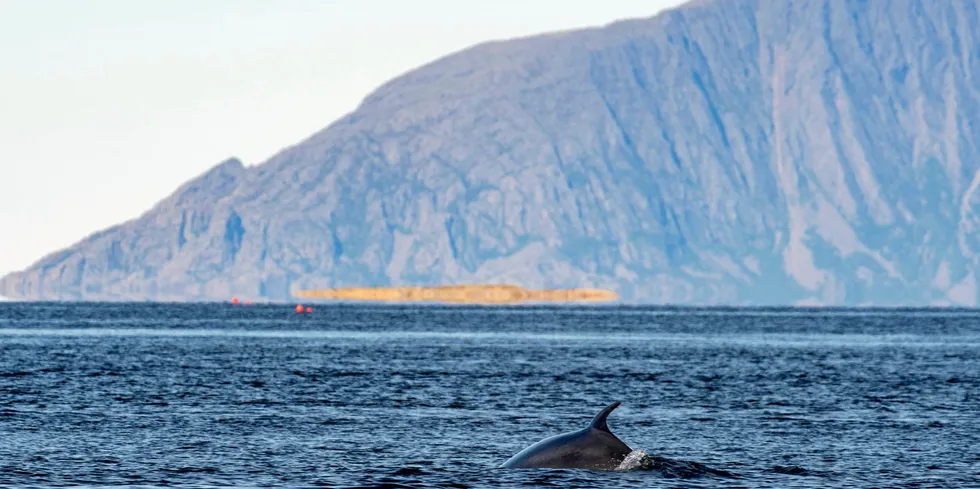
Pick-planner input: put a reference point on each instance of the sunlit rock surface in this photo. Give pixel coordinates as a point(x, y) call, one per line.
point(737, 152)
point(463, 294)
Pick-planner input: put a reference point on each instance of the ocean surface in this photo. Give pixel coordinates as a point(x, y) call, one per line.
point(404, 396)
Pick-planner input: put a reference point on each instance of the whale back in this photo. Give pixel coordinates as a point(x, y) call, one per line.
point(593, 447)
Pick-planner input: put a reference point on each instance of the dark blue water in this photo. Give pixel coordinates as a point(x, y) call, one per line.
point(165, 395)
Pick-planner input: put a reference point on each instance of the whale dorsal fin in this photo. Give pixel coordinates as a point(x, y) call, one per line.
point(599, 421)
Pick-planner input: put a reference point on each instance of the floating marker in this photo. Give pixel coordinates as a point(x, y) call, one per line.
point(248, 303)
point(299, 309)
point(234, 300)
point(309, 310)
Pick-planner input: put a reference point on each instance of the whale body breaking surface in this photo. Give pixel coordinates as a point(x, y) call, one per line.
point(593, 447)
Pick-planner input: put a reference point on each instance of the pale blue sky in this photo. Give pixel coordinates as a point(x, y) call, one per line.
point(107, 106)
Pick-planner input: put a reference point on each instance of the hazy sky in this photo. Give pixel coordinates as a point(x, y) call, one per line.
point(107, 106)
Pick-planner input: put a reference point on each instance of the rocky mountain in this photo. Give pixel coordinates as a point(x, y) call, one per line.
point(725, 152)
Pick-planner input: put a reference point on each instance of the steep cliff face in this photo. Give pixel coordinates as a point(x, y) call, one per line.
point(739, 152)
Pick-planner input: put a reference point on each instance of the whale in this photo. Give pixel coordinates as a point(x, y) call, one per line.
point(593, 447)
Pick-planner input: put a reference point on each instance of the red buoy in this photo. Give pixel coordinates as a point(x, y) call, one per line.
point(299, 309)
point(309, 310)
point(234, 300)
point(248, 303)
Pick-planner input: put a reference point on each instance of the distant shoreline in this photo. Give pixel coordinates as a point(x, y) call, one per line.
point(462, 294)
point(749, 309)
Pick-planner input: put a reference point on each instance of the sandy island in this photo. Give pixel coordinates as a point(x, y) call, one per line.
point(469, 294)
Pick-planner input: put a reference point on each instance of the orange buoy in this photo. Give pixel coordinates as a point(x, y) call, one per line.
point(309, 310)
point(234, 300)
point(248, 303)
point(299, 309)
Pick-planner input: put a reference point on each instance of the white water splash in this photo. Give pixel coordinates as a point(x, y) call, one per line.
point(633, 460)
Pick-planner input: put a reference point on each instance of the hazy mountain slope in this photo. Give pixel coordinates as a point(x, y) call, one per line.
point(724, 152)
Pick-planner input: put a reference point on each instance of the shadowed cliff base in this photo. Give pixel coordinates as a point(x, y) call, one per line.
point(468, 294)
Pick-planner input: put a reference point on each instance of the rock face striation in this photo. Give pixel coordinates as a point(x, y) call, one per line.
point(725, 152)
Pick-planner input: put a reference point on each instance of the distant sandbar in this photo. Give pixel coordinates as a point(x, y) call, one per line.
point(467, 294)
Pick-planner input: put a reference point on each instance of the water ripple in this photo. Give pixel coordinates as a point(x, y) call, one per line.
point(213, 395)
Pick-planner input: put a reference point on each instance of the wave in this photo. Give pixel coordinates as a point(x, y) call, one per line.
point(668, 468)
